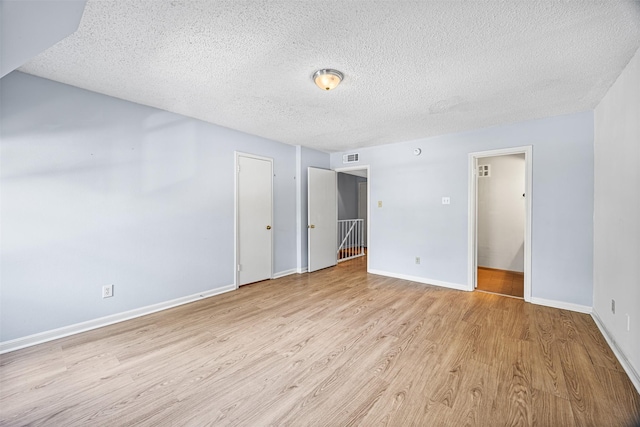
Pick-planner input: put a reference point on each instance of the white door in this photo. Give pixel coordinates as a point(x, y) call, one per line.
point(362, 209)
point(254, 212)
point(323, 218)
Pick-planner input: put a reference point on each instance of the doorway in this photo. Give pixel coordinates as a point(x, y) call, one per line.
point(254, 219)
point(500, 222)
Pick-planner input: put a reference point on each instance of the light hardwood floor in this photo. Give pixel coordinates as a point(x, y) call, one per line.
point(500, 282)
point(335, 347)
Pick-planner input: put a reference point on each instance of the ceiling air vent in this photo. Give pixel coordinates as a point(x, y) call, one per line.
point(351, 158)
point(484, 170)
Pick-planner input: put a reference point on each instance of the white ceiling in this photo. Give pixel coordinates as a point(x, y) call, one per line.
point(412, 68)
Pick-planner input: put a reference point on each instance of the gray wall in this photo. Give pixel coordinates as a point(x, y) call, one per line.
point(413, 222)
point(96, 190)
point(348, 196)
point(617, 212)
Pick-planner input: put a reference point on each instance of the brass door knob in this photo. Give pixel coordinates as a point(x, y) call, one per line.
point(312, 226)
point(268, 227)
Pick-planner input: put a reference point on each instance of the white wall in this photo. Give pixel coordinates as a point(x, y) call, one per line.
point(96, 190)
point(617, 213)
point(413, 222)
point(501, 213)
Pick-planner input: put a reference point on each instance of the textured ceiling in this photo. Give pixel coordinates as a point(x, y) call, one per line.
point(412, 69)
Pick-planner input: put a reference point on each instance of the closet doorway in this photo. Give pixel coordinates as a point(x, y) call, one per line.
point(500, 208)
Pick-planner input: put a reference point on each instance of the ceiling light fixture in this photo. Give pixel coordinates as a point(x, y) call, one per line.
point(327, 79)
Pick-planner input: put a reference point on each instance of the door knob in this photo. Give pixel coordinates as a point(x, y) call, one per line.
point(312, 226)
point(268, 227)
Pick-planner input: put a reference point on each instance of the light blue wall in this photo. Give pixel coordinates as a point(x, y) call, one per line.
point(413, 222)
point(307, 158)
point(96, 190)
point(28, 28)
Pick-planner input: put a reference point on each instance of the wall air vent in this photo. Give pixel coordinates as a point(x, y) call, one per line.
point(484, 170)
point(351, 158)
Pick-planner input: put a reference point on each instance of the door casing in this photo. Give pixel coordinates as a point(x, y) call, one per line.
point(362, 212)
point(472, 252)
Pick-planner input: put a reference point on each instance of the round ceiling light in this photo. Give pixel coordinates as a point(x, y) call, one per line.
point(327, 79)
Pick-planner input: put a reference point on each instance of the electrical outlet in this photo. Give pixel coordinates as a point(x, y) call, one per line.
point(107, 291)
point(613, 306)
point(417, 260)
point(446, 200)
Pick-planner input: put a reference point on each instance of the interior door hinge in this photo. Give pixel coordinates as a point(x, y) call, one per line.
point(239, 267)
point(238, 168)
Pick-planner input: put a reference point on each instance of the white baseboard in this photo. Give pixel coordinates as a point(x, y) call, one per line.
point(284, 273)
point(634, 376)
point(421, 280)
point(302, 270)
point(561, 305)
point(65, 331)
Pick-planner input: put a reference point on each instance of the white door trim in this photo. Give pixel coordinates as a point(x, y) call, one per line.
point(473, 213)
point(368, 169)
point(366, 184)
point(237, 155)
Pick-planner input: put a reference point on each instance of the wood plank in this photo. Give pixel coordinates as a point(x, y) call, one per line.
point(335, 347)
point(550, 410)
point(598, 349)
point(547, 374)
point(590, 406)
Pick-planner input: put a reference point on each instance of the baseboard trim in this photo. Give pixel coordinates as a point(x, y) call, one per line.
point(65, 331)
point(284, 273)
point(634, 376)
point(561, 305)
point(424, 280)
point(302, 270)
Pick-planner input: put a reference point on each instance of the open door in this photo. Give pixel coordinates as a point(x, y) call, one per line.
point(363, 201)
point(323, 218)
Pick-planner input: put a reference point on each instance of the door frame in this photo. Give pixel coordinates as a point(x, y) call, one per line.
point(368, 169)
point(473, 213)
point(367, 206)
point(236, 246)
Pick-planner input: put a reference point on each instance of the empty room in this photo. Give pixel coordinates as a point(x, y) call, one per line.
point(269, 213)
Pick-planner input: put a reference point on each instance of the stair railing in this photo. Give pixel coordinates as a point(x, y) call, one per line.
point(351, 238)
